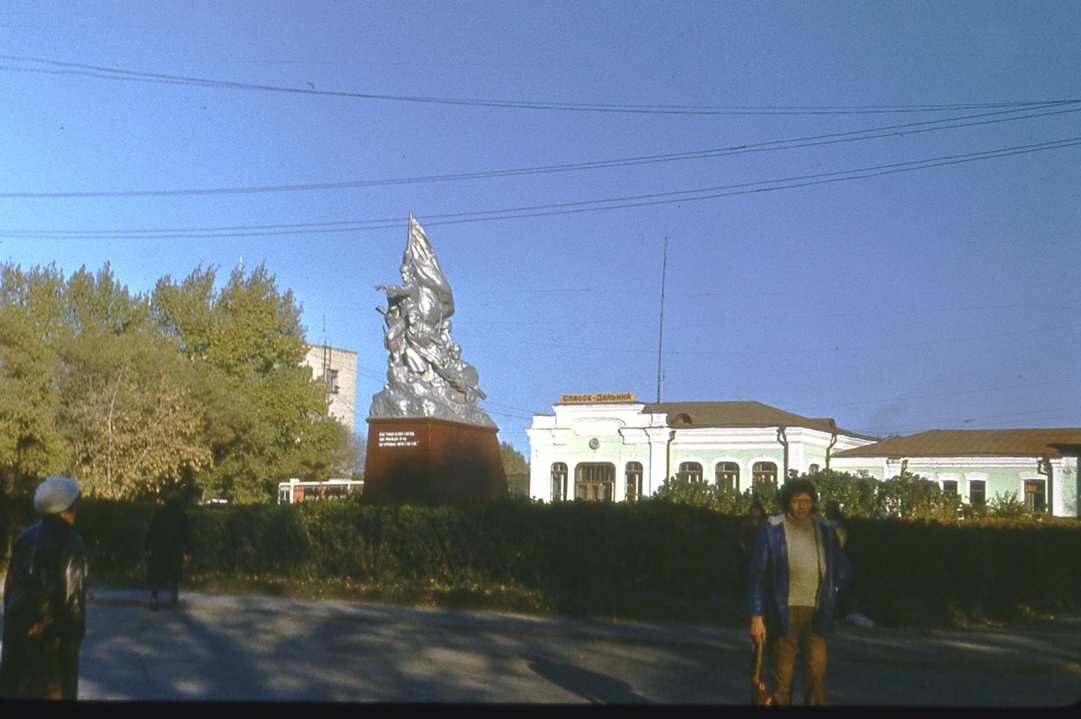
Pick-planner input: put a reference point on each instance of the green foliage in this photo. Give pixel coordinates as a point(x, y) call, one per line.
point(853, 496)
point(910, 496)
point(680, 489)
point(1008, 506)
point(31, 311)
point(265, 419)
point(905, 497)
point(516, 468)
point(137, 395)
point(513, 460)
point(127, 411)
point(31, 444)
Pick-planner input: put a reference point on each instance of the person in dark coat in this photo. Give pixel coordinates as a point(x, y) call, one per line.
point(45, 600)
point(168, 543)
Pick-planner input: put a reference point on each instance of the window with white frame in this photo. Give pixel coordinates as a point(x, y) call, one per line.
point(595, 481)
point(764, 473)
point(559, 481)
point(691, 470)
point(726, 474)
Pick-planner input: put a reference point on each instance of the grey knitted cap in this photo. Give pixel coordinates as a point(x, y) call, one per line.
point(55, 495)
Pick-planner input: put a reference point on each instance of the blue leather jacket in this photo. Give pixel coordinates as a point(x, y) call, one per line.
point(768, 591)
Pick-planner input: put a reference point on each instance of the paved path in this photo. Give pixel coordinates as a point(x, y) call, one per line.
point(262, 648)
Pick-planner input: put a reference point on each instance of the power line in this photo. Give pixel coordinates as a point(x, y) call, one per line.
point(833, 138)
point(578, 207)
point(777, 351)
point(1055, 412)
point(115, 73)
point(942, 395)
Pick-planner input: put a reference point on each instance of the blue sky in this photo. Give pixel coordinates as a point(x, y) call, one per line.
point(940, 297)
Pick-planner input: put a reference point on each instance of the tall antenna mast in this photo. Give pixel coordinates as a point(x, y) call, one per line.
point(660, 339)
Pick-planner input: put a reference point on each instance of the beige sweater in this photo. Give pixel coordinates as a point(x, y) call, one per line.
point(806, 561)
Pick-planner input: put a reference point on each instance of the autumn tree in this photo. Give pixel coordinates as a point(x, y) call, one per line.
point(127, 410)
point(136, 394)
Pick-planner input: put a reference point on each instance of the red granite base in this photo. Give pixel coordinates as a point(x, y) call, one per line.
point(417, 460)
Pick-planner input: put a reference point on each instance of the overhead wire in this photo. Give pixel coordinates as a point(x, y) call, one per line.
point(116, 73)
point(926, 426)
point(576, 207)
point(888, 131)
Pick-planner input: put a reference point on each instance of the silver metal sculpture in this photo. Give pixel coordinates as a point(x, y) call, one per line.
point(426, 376)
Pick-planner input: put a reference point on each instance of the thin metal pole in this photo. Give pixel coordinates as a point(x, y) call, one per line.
point(660, 340)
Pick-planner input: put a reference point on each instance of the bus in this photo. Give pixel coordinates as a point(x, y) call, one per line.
point(296, 491)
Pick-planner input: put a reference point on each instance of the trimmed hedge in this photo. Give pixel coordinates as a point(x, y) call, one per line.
point(650, 560)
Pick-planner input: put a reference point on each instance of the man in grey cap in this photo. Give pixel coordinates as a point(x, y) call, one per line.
point(45, 600)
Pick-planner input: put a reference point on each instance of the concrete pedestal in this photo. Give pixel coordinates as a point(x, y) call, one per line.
point(419, 460)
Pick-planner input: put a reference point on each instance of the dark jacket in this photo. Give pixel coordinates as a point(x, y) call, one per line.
point(167, 541)
point(768, 592)
point(44, 612)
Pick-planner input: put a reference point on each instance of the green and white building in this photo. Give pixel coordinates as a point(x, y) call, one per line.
point(609, 447)
point(1041, 466)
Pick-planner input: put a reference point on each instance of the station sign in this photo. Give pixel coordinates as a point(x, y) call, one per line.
point(596, 397)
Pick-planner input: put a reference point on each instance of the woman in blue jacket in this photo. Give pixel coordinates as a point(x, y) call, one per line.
point(797, 569)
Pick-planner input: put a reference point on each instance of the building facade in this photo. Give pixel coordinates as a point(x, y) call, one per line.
point(336, 369)
point(609, 447)
point(1039, 466)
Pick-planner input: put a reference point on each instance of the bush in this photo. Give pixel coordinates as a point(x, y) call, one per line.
point(1007, 505)
point(656, 559)
point(680, 489)
point(853, 496)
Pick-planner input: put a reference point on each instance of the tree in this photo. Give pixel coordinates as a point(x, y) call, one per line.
point(30, 326)
point(513, 460)
point(681, 489)
point(265, 419)
point(911, 496)
point(854, 496)
point(516, 469)
point(126, 408)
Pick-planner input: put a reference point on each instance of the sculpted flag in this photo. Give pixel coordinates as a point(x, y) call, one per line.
point(436, 303)
point(426, 376)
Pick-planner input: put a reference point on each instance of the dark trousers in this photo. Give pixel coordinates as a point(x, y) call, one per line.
point(811, 646)
point(37, 668)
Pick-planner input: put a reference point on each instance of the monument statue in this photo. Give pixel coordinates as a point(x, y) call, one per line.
point(426, 376)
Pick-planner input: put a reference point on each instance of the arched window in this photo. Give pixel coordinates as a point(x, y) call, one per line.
point(764, 472)
point(691, 470)
point(559, 481)
point(727, 475)
point(813, 469)
point(634, 481)
point(595, 481)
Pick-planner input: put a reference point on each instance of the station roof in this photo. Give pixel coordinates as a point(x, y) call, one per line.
point(1050, 443)
point(741, 414)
